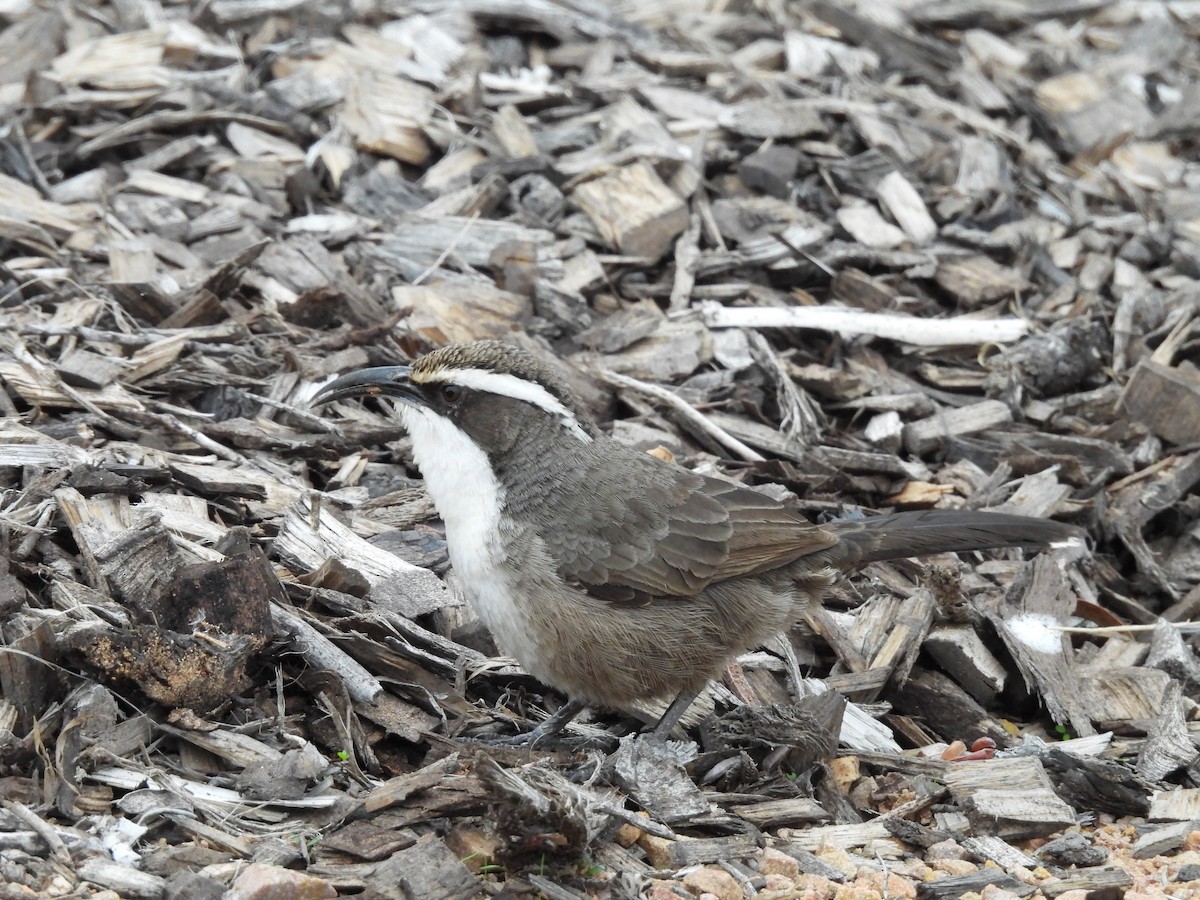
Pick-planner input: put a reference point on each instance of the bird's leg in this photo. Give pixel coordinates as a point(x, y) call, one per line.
point(674, 713)
point(554, 725)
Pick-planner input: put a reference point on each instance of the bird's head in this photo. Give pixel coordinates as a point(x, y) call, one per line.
point(494, 394)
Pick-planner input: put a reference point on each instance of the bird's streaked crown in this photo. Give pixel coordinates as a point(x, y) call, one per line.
point(508, 371)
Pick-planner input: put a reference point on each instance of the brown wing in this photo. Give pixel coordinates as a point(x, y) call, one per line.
point(669, 532)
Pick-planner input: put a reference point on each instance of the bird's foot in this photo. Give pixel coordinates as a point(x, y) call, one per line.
point(548, 741)
point(546, 735)
point(528, 740)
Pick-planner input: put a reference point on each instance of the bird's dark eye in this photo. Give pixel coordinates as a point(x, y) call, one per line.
point(452, 393)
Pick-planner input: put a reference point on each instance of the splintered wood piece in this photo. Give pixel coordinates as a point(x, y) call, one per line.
point(310, 535)
point(1168, 744)
point(140, 565)
point(446, 313)
point(651, 771)
point(810, 727)
point(960, 651)
point(872, 836)
point(1093, 881)
point(222, 480)
point(122, 880)
point(26, 685)
point(856, 288)
point(1042, 653)
point(771, 170)
point(1049, 364)
point(1134, 501)
point(953, 887)
point(866, 224)
point(1166, 399)
point(183, 515)
point(698, 851)
point(236, 748)
point(1175, 805)
point(901, 199)
point(692, 110)
point(891, 630)
point(773, 118)
point(427, 869)
point(40, 386)
point(86, 711)
point(1162, 841)
point(32, 236)
point(634, 210)
point(387, 114)
point(231, 596)
point(582, 272)
point(21, 446)
point(366, 840)
point(57, 220)
point(799, 418)
point(1169, 653)
point(810, 55)
point(132, 261)
point(513, 134)
point(398, 789)
point(1039, 496)
point(1119, 694)
point(540, 812)
point(397, 716)
point(1002, 853)
point(323, 655)
point(945, 709)
point(82, 368)
point(155, 357)
point(1011, 799)
point(1102, 785)
point(977, 280)
point(1089, 110)
point(924, 435)
point(25, 41)
point(672, 350)
point(430, 242)
point(793, 812)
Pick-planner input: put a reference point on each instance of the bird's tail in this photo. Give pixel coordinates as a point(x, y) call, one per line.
point(905, 534)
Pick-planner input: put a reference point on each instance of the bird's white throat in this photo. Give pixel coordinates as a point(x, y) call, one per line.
point(459, 478)
point(469, 498)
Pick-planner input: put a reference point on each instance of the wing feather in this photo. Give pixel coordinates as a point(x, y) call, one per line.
point(674, 533)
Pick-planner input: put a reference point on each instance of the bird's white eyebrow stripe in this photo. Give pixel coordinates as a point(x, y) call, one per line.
point(508, 385)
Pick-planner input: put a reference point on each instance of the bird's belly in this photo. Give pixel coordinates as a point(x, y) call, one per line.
point(558, 636)
point(498, 606)
point(610, 654)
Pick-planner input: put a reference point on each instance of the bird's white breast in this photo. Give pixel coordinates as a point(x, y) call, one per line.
point(469, 499)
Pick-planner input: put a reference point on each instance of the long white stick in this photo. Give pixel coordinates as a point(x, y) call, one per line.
point(850, 322)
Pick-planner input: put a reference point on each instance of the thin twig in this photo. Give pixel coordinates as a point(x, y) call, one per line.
point(1122, 629)
point(172, 423)
point(437, 263)
point(723, 437)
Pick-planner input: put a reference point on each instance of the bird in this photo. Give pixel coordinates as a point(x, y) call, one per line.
point(608, 573)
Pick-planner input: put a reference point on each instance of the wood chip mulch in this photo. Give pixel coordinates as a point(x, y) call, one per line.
point(879, 255)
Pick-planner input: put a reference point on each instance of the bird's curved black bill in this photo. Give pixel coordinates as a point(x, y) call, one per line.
point(382, 381)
